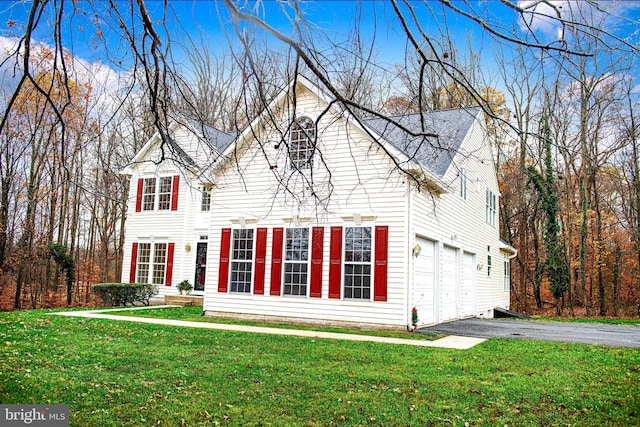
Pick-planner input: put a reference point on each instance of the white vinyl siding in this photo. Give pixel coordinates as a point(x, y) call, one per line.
point(358, 183)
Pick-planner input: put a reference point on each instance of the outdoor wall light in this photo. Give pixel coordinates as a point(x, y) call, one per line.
point(416, 250)
point(187, 247)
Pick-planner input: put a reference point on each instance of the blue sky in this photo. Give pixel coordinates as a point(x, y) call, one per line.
point(332, 20)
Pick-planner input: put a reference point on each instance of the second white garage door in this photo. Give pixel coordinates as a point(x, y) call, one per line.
point(448, 283)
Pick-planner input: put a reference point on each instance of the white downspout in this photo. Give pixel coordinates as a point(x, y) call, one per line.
point(409, 258)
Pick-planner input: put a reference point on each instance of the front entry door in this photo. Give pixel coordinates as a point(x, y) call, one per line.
point(201, 266)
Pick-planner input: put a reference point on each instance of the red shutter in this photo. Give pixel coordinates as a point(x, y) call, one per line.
point(174, 192)
point(134, 261)
point(276, 261)
point(380, 272)
point(317, 243)
point(335, 262)
point(261, 254)
point(223, 270)
point(169, 272)
point(139, 195)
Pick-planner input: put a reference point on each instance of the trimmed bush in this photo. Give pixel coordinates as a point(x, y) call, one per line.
point(125, 293)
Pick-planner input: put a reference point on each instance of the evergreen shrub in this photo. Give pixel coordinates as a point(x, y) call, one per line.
point(118, 294)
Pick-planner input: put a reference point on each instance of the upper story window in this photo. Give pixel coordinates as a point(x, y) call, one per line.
point(158, 194)
point(296, 261)
point(491, 211)
point(463, 183)
point(164, 193)
point(302, 144)
point(205, 202)
point(357, 263)
point(149, 194)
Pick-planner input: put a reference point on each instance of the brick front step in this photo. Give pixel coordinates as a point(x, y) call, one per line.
point(185, 300)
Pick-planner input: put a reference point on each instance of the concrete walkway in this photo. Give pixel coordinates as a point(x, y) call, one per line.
point(451, 341)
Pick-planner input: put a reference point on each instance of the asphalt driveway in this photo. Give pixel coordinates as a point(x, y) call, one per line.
point(585, 333)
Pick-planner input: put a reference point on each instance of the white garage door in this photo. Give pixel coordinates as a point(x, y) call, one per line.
point(448, 283)
point(425, 282)
point(468, 285)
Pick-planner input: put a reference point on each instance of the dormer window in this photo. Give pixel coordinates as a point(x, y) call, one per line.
point(302, 144)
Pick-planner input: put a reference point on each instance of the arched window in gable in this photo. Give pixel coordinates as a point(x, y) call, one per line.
point(302, 144)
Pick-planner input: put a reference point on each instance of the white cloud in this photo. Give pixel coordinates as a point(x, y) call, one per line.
point(105, 82)
point(552, 17)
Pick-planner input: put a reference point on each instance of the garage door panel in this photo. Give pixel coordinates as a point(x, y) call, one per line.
point(468, 285)
point(425, 281)
point(448, 283)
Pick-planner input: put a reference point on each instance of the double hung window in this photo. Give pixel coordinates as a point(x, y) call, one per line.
point(491, 210)
point(151, 263)
point(205, 202)
point(164, 193)
point(242, 260)
point(463, 183)
point(296, 261)
point(157, 194)
point(357, 263)
point(149, 194)
point(507, 273)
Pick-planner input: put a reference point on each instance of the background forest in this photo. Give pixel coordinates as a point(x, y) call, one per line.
point(557, 81)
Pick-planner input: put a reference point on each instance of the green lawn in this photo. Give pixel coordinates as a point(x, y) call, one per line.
point(113, 374)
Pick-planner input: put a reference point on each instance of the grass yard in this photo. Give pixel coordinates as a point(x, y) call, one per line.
point(114, 374)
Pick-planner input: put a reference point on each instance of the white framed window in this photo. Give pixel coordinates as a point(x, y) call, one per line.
point(302, 144)
point(151, 263)
point(164, 193)
point(149, 194)
point(205, 201)
point(159, 263)
point(143, 262)
point(463, 183)
point(296, 261)
point(507, 273)
point(491, 207)
point(158, 194)
point(357, 263)
point(242, 260)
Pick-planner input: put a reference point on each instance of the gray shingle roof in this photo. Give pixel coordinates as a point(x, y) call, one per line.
point(433, 152)
point(216, 138)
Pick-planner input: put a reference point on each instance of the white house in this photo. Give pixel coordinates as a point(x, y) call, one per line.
point(313, 215)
